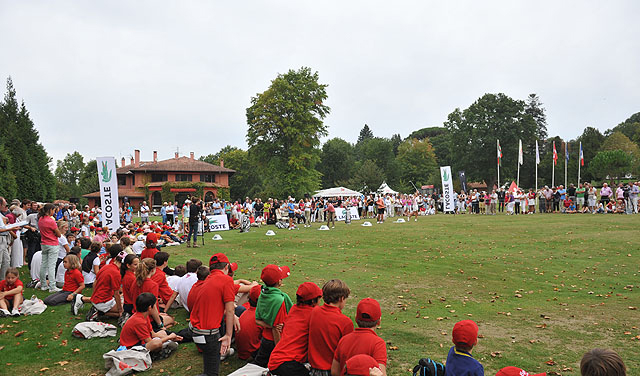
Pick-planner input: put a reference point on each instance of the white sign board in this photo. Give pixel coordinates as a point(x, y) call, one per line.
point(447, 189)
point(108, 179)
point(341, 213)
point(218, 222)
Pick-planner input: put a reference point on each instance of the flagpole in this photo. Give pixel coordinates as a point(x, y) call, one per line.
point(518, 179)
point(519, 162)
point(537, 161)
point(553, 166)
point(565, 165)
point(579, 162)
point(498, 146)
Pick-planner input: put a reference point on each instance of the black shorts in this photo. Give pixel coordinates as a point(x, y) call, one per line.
point(380, 211)
point(292, 215)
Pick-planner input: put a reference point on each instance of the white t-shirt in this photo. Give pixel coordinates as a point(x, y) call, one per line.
point(138, 247)
point(144, 211)
point(91, 276)
point(60, 273)
point(184, 286)
point(62, 241)
point(36, 262)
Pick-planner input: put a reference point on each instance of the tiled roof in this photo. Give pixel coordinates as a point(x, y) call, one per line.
point(121, 193)
point(180, 164)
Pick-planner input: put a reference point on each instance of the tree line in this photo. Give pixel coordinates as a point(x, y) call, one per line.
point(286, 156)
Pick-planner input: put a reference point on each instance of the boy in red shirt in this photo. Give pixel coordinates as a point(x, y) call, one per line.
point(271, 311)
point(165, 293)
point(105, 298)
point(137, 330)
point(363, 340)
point(151, 250)
point(201, 273)
point(290, 353)
point(212, 301)
point(362, 365)
point(11, 288)
point(249, 336)
point(327, 326)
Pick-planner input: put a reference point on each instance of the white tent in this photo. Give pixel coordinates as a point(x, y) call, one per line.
point(337, 192)
point(385, 189)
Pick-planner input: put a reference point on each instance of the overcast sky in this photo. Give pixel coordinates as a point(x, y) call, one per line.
point(107, 77)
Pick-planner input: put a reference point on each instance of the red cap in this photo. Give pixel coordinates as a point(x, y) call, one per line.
point(254, 293)
point(74, 229)
point(153, 237)
point(308, 291)
point(217, 258)
point(234, 266)
point(368, 310)
point(358, 365)
point(92, 227)
point(466, 332)
point(515, 371)
point(271, 274)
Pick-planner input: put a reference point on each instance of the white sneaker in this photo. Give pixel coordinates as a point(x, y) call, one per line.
point(15, 312)
point(4, 312)
point(77, 304)
point(54, 289)
point(229, 353)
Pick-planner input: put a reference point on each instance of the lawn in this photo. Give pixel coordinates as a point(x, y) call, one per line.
point(543, 289)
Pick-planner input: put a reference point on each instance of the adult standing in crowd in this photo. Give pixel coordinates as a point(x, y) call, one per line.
point(49, 234)
point(5, 238)
point(144, 212)
point(605, 194)
point(634, 190)
point(195, 212)
point(592, 196)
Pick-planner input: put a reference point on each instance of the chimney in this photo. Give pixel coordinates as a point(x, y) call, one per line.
point(176, 155)
point(221, 162)
point(122, 165)
point(155, 156)
point(131, 161)
point(137, 160)
point(191, 155)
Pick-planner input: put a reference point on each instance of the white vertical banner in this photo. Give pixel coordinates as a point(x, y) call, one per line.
point(447, 189)
point(108, 179)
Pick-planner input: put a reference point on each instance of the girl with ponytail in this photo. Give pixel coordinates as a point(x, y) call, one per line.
point(143, 283)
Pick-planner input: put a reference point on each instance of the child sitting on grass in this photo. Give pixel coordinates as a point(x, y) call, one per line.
point(137, 331)
point(11, 288)
point(363, 340)
point(249, 336)
point(73, 282)
point(459, 360)
point(601, 362)
point(145, 283)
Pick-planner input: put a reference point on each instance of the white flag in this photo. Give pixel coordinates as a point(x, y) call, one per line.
point(109, 193)
point(447, 189)
point(520, 152)
point(537, 154)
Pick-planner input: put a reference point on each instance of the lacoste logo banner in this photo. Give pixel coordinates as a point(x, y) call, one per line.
point(107, 176)
point(447, 189)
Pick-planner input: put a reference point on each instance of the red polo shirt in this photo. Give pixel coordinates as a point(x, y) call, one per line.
point(248, 338)
point(128, 281)
point(148, 285)
point(327, 326)
point(4, 286)
point(208, 307)
point(148, 253)
point(361, 341)
point(294, 341)
point(72, 280)
point(135, 330)
point(193, 293)
point(106, 284)
point(267, 333)
point(160, 277)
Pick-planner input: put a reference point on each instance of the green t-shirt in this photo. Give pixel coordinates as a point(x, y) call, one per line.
point(83, 253)
point(580, 192)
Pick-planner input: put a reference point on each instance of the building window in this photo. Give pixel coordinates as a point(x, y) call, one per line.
point(208, 178)
point(158, 177)
point(133, 180)
point(183, 177)
point(122, 180)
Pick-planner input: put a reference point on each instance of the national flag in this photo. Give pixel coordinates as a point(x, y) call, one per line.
point(520, 152)
point(499, 152)
point(581, 156)
point(537, 154)
point(555, 154)
point(566, 152)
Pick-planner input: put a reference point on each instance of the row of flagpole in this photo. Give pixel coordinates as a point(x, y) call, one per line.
point(555, 162)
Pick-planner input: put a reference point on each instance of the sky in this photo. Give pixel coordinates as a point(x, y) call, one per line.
point(107, 77)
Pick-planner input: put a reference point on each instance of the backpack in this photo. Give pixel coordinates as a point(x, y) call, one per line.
point(87, 262)
point(428, 367)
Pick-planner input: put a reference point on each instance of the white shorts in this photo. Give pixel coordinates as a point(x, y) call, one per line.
point(580, 200)
point(106, 306)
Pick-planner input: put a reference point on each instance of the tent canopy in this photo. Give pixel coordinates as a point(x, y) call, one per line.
point(336, 192)
point(385, 189)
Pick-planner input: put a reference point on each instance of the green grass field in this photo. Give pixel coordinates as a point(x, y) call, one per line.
point(543, 289)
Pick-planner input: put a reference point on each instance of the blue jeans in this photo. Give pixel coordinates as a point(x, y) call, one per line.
point(210, 354)
point(193, 230)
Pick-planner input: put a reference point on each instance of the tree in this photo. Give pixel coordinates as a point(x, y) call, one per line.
point(368, 177)
point(88, 181)
point(618, 141)
point(429, 132)
point(592, 141)
point(336, 162)
point(285, 126)
point(417, 163)
point(533, 108)
point(612, 163)
point(629, 127)
point(396, 140)
point(474, 132)
point(365, 134)
point(8, 188)
point(68, 173)
point(244, 182)
point(28, 161)
point(380, 151)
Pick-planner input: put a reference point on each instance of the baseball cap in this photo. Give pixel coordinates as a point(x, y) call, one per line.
point(141, 237)
point(234, 266)
point(217, 258)
point(271, 274)
point(254, 293)
point(153, 237)
point(308, 291)
point(358, 365)
point(465, 332)
point(368, 310)
point(515, 371)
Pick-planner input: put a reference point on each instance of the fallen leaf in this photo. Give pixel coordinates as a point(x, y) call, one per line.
point(64, 342)
point(62, 363)
point(76, 350)
point(44, 369)
point(393, 348)
point(550, 362)
point(20, 333)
